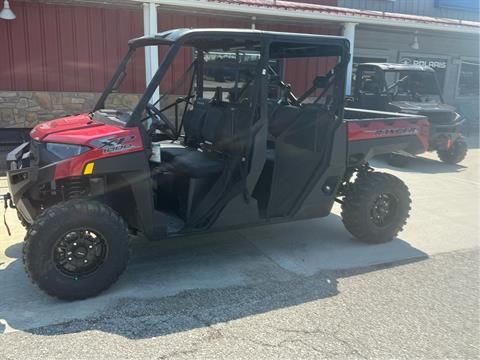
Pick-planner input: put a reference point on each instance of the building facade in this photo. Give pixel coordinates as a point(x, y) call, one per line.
point(454, 56)
point(449, 9)
point(57, 55)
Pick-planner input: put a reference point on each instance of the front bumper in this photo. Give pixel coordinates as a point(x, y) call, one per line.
point(445, 128)
point(442, 136)
point(24, 182)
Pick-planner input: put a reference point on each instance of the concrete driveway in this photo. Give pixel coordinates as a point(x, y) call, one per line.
point(444, 219)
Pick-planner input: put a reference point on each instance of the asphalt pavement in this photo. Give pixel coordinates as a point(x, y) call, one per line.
point(298, 290)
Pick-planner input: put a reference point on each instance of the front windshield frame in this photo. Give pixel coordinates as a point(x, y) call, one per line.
point(136, 116)
point(114, 83)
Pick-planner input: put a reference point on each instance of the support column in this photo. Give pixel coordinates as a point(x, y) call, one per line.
point(349, 33)
point(151, 52)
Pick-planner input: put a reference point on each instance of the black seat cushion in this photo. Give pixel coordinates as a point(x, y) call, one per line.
point(199, 129)
point(213, 123)
point(170, 151)
point(198, 164)
point(193, 123)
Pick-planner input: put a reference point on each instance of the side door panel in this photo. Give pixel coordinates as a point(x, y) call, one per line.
point(299, 152)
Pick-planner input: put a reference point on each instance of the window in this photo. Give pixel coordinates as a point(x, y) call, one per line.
point(361, 60)
point(306, 69)
point(368, 82)
point(418, 82)
point(469, 79)
point(233, 72)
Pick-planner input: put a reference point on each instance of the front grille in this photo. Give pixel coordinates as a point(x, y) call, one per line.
point(34, 152)
point(15, 179)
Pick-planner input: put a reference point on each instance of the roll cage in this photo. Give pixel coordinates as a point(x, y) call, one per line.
point(271, 45)
point(377, 81)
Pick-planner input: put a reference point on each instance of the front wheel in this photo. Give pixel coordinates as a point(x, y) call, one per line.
point(376, 207)
point(76, 249)
point(22, 220)
point(456, 152)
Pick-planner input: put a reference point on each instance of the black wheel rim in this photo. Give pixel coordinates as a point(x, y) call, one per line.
point(384, 210)
point(79, 253)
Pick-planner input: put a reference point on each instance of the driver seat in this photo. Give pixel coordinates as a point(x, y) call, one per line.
point(198, 164)
point(193, 125)
point(202, 155)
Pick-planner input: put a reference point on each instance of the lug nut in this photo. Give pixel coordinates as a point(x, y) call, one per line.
point(90, 246)
point(69, 259)
point(85, 261)
point(74, 244)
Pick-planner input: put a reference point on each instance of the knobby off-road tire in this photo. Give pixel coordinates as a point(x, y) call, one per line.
point(24, 222)
point(456, 153)
point(76, 249)
point(376, 207)
point(397, 160)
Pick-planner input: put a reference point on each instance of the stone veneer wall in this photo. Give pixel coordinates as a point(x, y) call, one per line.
point(25, 109)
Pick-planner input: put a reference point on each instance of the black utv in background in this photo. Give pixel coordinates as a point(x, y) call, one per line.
point(411, 89)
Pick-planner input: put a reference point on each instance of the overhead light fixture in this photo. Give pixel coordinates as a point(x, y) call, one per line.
point(415, 45)
point(7, 13)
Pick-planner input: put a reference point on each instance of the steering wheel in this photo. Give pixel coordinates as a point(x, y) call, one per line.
point(162, 121)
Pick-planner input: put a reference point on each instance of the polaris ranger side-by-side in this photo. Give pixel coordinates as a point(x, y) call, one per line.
point(411, 89)
point(237, 148)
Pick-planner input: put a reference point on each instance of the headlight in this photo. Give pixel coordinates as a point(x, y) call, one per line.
point(65, 151)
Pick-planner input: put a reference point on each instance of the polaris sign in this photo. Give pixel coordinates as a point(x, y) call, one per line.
point(433, 63)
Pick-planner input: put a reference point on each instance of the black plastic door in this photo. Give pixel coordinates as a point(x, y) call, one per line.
point(298, 154)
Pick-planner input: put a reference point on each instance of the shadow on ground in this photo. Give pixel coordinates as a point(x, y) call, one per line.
point(421, 165)
point(195, 282)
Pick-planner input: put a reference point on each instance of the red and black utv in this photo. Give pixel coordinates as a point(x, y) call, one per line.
point(230, 146)
point(411, 89)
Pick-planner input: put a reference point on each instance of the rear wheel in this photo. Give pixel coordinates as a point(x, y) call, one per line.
point(397, 160)
point(455, 153)
point(376, 207)
point(76, 249)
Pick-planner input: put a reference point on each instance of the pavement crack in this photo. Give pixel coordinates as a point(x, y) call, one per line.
point(334, 335)
point(179, 353)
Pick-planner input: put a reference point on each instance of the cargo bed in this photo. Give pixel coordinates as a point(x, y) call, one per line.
point(372, 133)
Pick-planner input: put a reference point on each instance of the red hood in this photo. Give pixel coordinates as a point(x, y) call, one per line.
point(104, 140)
point(46, 128)
point(77, 129)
